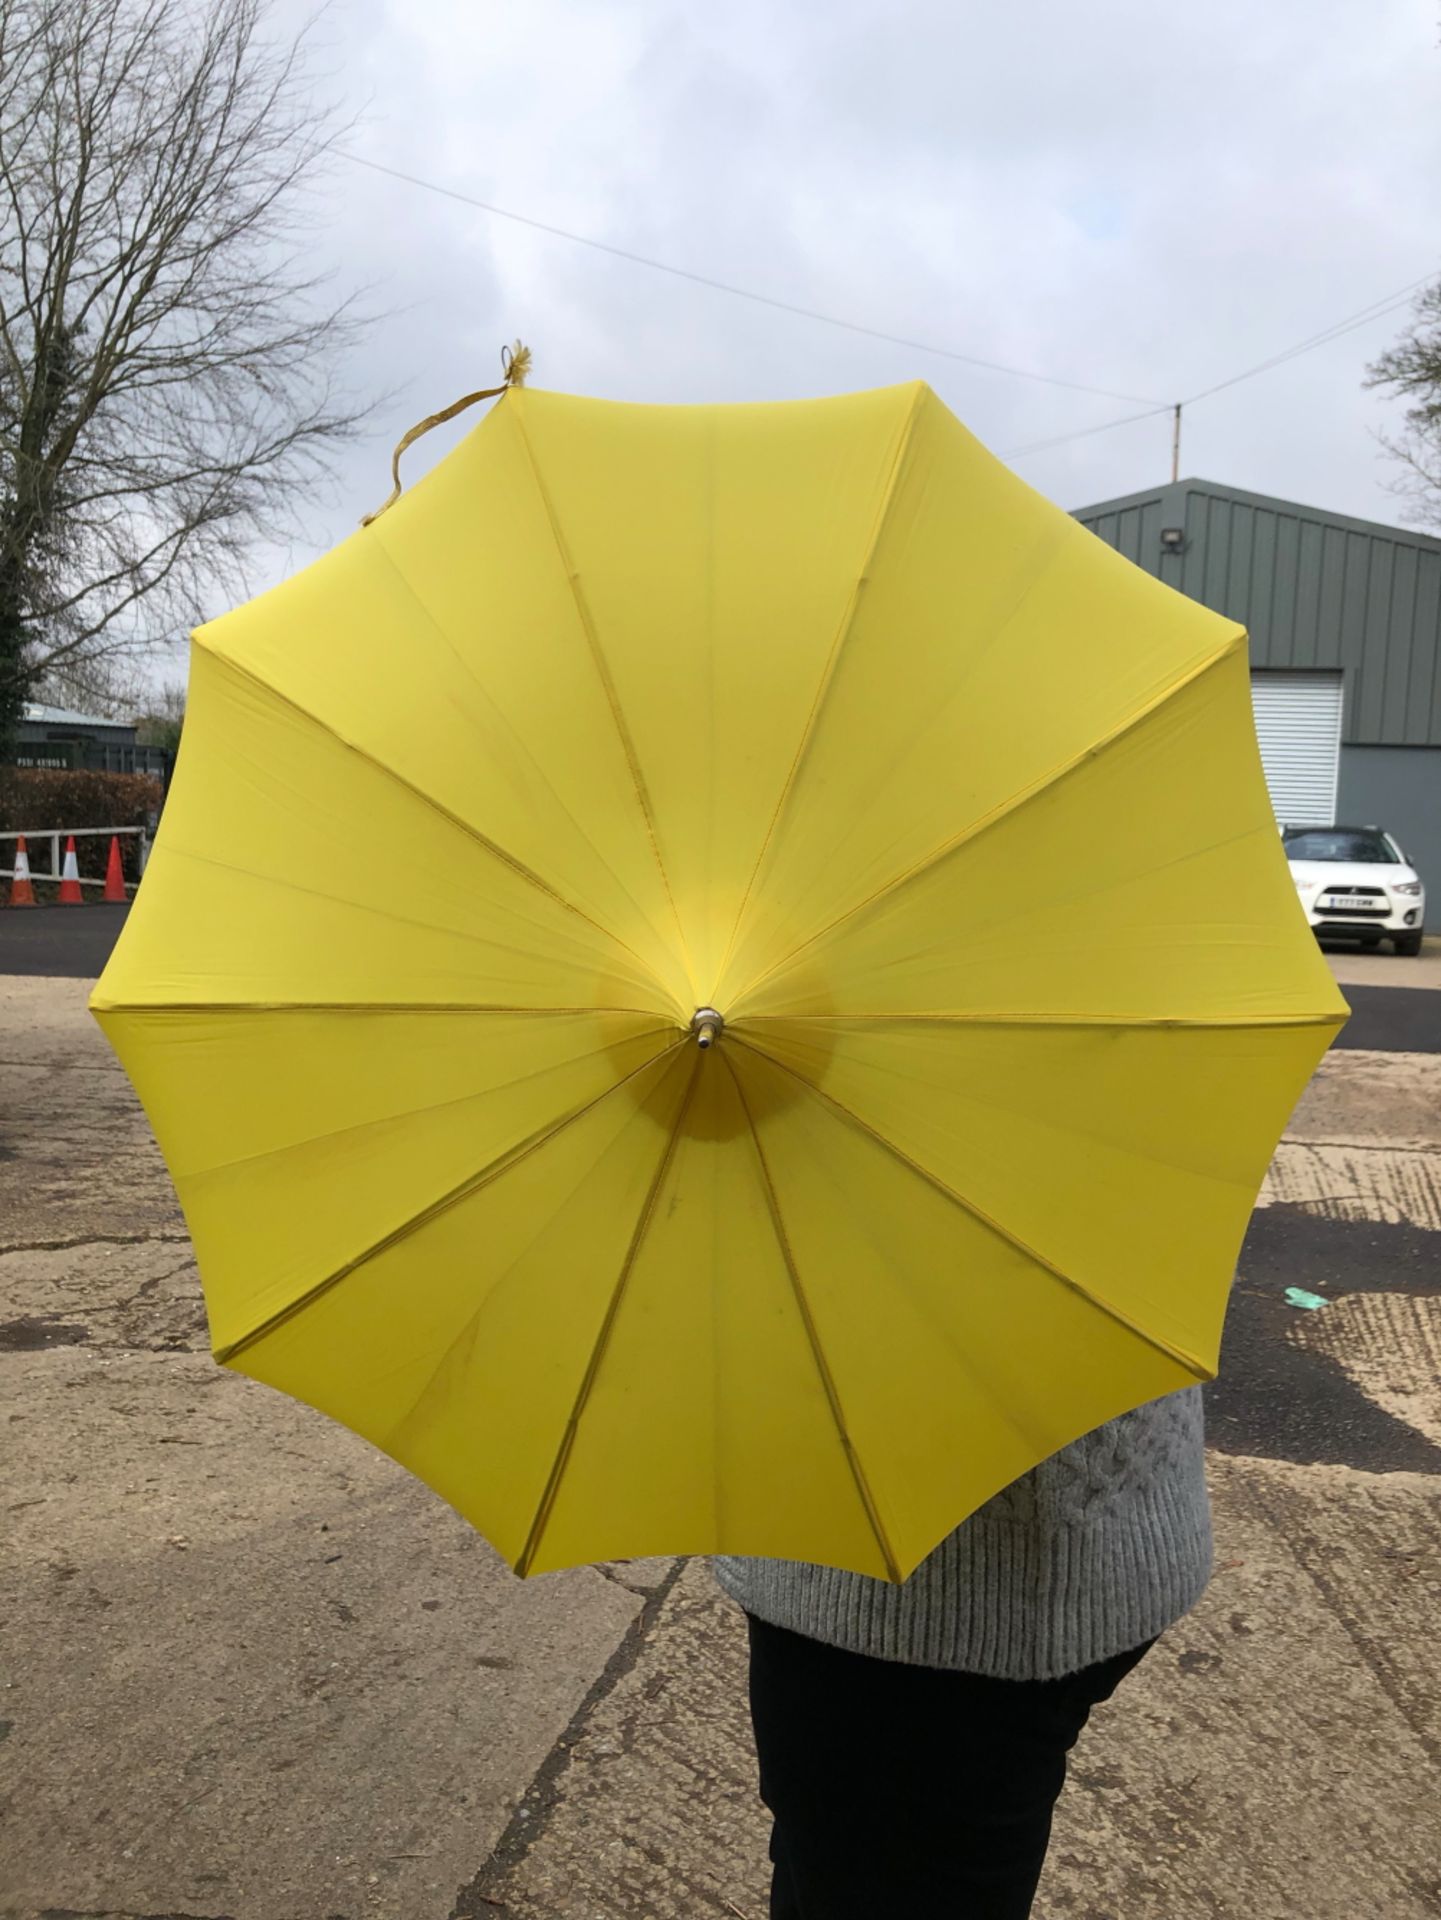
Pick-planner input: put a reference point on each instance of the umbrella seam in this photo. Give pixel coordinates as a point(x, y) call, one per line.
point(1178, 1354)
point(978, 1097)
point(822, 1365)
point(461, 825)
point(416, 595)
point(477, 1183)
point(1004, 809)
point(828, 671)
point(171, 851)
point(1048, 548)
point(551, 1493)
point(938, 1330)
point(602, 667)
point(400, 1114)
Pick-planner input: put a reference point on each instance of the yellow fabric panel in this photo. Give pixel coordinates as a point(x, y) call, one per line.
point(461, 1350)
point(995, 641)
point(446, 642)
point(1129, 1158)
point(717, 551)
point(288, 868)
point(1149, 881)
point(709, 1425)
point(330, 1131)
point(932, 1325)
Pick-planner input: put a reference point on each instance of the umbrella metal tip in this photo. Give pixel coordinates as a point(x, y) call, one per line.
point(707, 1026)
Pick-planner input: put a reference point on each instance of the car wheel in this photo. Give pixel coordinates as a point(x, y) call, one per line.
point(1408, 945)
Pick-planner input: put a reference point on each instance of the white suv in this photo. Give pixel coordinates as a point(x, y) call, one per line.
point(1355, 881)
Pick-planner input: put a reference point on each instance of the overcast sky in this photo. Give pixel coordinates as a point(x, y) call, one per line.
point(1142, 198)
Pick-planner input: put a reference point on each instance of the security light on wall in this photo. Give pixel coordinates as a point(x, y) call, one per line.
point(1173, 538)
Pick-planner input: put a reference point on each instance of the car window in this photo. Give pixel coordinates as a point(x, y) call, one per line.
point(1340, 843)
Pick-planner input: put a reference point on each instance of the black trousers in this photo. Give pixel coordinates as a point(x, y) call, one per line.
point(903, 1793)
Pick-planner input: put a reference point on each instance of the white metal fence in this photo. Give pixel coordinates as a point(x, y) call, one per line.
point(57, 843)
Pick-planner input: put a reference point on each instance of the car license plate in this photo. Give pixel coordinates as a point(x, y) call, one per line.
point(1353, 903)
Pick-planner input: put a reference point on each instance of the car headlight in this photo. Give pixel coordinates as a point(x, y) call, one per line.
point(1407, 886)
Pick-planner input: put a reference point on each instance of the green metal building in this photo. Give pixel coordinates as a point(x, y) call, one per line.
point(1345, 623)
point(53, 737)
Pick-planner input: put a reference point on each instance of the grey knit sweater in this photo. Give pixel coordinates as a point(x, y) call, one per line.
point(1097, 1550)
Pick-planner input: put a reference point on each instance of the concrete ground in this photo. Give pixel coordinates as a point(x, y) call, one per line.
point(1353, 965)
point(254, 1672)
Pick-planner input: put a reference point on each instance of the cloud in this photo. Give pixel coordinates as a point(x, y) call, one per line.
point(1137, 198)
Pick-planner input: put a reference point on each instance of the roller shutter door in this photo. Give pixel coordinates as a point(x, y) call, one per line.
point(1298, 725)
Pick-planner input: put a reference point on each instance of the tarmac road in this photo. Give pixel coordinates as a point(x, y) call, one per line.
point(59, 943)
point(1281, 1400)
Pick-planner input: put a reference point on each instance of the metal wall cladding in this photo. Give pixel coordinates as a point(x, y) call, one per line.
point(1314, 590)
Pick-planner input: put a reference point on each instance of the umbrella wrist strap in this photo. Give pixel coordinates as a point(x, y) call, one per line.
point(516, 363)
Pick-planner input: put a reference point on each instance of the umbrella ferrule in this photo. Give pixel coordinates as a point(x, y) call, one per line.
point(707, 1026)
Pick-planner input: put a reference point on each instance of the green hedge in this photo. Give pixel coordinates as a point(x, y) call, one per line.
point(34, 801)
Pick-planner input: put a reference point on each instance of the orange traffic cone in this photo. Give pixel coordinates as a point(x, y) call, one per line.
point(114, 874)
point(22, 893)
point(70, 894)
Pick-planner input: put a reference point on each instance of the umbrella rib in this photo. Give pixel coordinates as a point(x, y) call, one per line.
point(607, 1327)
point(464, 826)
point(365, 1006)
point(476, 1183)
point(833, 658)
point(803, 1307)
point(602, 667)
point(1005, 808)
point(977, 1213)
point(1161, 1022)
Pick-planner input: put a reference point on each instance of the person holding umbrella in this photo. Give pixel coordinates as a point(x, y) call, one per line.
point(913, 1739)
point(845, 994)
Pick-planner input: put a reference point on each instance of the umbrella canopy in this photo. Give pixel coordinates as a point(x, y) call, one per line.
point(720, 978)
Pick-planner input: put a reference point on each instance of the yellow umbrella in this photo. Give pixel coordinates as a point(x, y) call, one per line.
point(719, 978)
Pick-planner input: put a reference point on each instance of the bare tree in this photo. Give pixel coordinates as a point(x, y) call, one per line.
point(117, 684)
point(1413, 368)
point(168, 353)
point(160, 721)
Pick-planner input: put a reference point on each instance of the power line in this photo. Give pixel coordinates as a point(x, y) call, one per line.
point(1388, 303)
point(738, 292)
point(1083, 433)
